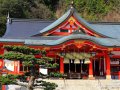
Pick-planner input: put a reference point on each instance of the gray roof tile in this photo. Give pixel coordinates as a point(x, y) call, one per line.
point(24, 28)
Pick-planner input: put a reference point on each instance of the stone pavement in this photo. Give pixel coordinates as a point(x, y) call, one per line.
point(76, 84)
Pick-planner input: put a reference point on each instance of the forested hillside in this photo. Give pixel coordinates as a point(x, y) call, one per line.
point(91, 10)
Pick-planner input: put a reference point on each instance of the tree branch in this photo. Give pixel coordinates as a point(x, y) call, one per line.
point(21, 83)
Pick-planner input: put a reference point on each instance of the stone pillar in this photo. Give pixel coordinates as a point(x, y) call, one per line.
point(108, 72)
point(61, 65)
point(90, 76)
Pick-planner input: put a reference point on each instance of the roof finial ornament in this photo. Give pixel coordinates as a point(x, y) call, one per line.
point(8, 18)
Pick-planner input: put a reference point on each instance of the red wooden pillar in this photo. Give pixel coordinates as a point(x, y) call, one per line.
point(3, 87)
point(16, 67)
point(1, 63)
point(90, 76)
point(1, 60)
point(61, 65)
point(108, 72)
point(119, 75)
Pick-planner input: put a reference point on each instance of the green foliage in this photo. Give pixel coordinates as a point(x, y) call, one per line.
point(41, 11)
point(47, 59)
point(8, 79)
point(2, 24)
point(27, 60)
point(26, 55)
point(22, 49)
point(49, 65)
point(51, 3)
point(18, 56)
point(48, 85)
point(0, 86)
point(23, 9)
point(93, 9)
point(56, 74)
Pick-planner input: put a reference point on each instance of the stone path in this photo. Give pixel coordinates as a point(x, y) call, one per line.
point(75, 84)
point(87, 84)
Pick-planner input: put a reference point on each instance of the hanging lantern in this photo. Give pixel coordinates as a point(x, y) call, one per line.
point(75, 55)
point(81, 56)
point(69, 55)
point(88, 55)
point(85, 54)
point(66, 60)
point(87, 61)
point(77, 61)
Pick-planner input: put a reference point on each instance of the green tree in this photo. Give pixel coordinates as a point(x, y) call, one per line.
point(23, 9)
point(26, 56)
point(92, 9)
point(41, 11)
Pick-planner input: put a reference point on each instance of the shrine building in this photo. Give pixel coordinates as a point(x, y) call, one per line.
point(90, 49)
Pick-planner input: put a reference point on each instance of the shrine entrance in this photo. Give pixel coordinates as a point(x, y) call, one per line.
point(83, 62)
point(76, 61)
point(99, 68)
point(75, 69)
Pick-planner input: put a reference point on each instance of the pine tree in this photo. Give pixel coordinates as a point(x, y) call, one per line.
point(26, 55)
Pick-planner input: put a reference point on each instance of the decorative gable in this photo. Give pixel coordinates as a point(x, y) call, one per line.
point(69, 27)
point(68, 24)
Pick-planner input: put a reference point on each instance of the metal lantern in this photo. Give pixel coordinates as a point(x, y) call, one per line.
point(69, 56)
point(87, 61)
point(66, 60)
point(77, 61)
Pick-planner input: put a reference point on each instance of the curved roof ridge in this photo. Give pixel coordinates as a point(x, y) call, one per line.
point(105, 23)
point(29, 20)
point(109, 42)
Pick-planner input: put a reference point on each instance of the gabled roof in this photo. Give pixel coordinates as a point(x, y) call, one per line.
point(23, 30)
point(106, 30)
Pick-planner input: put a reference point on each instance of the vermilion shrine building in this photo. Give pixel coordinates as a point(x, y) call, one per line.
point(80, 47)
